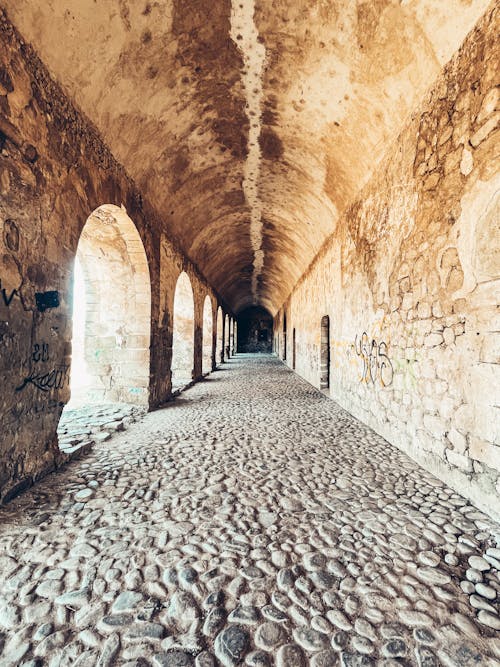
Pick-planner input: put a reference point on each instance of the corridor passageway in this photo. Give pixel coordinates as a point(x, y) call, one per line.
point(250, 521)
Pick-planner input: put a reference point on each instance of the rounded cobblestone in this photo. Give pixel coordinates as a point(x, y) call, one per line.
point(251, 521)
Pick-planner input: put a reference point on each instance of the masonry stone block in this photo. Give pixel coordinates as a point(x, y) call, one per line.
point(459, 460)
point(486, 452)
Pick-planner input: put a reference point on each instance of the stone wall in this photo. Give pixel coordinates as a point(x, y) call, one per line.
point(410, 281)
point(54, 172)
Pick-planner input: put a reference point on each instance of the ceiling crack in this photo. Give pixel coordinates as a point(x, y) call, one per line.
point(245, 35)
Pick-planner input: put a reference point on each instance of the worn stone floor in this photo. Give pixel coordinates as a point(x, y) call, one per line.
point(251, 521)
point(82, 426)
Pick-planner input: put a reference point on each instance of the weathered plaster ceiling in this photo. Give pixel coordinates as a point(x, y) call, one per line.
point(249, 124)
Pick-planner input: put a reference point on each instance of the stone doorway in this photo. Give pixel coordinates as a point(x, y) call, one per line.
point(284, 337)
point(109, 379)
point(207, 336)
point(111, 312)
point(183, 334)
point(227, 339)
point(220, 333)
point(324, 381)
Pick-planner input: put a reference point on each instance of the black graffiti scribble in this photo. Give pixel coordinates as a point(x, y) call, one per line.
point(32, 411)
point(45, 300)
point(40, 352)
point(8, 298)
point(376, 364)
point(53, 379)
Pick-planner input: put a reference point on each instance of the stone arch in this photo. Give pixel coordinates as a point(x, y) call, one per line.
point(284, 336)
point(227, 321)
point(111, 312)
point(324, 381)
point(220, 333)
point(234, 339)
point(207, 335)
point(183, 333)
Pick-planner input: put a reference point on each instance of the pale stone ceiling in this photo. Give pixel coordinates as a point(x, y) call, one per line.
point(250, 135)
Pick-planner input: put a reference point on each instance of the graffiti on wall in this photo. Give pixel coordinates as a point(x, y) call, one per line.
point(7, 295)
point(43, 300)
point(40, 352)
point(377, 367)
point(32, 411)
point(46, 300)
point(56, 377)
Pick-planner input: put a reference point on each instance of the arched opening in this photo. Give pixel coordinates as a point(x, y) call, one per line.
point(284, 337)
point(220, 333)
point(207, 335)
point(324, 381)
point(255, 330)
point(227, 352)
point(294, 352)
point(183, 334)
point(234, 338)
point(111, 312)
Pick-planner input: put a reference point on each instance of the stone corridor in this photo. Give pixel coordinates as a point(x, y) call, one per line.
point(251, 521)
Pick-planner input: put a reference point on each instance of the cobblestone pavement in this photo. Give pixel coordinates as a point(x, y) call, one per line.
point(251, 521)
point(80, 428)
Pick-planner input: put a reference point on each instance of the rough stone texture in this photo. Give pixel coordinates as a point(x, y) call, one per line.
point(110, 349)
point(410, 282)
point(55, 171)
point(252, 518)
point(79, 428)
point(261, 137)
point(171, 84)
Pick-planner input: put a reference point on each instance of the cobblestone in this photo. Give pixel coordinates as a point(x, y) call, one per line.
point(250, 521)
point(81, 427)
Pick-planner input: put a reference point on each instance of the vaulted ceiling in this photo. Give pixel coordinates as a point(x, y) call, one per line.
point(249, 124)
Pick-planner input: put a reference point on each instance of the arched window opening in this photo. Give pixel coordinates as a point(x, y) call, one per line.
point(294, 351)
point(284, 337)
point(324, 382)
point(183, 334)
point(207, 335)
point(111, 312)
point(220, 333)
